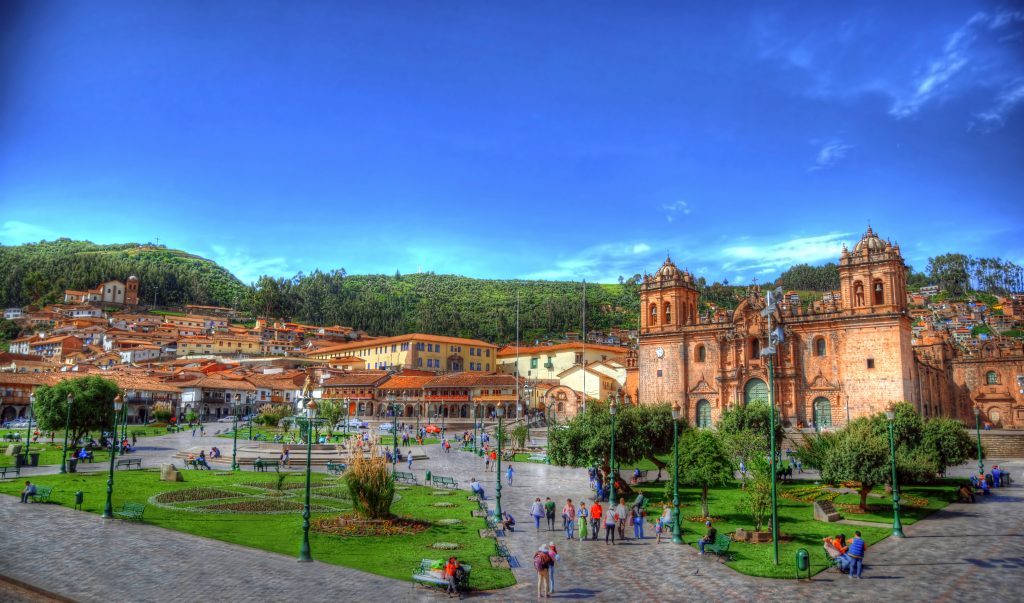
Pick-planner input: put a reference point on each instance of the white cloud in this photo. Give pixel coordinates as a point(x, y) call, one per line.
point(14, 232)
point(246, 267)
point(995, 116)
point(603, 263)
point(674, 209)
point(641, 248)
point(830, 153)
point(777, 256)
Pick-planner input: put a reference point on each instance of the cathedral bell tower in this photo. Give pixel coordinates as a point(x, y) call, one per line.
point(668, 300)
point(873, 278)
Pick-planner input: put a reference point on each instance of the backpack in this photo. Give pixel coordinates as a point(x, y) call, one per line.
point(460, 574)
point(541, 560)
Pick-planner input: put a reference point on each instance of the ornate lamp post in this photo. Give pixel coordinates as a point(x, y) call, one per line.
point(677, 528)
point(234, 433)
point(108, 509)
point(472, 408)
point(28, 430)
point(311, 408)
point(500, 412)
point(977, 429)
point(897, 527)
point(67, 427)
point(249, 399)
point(611, 480)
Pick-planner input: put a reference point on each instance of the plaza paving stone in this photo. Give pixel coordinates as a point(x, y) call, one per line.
point(964, 548)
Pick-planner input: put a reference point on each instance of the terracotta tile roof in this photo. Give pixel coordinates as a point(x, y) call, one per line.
point(509, 351)
point(407, 382)
point(217, 381)
point(32, 378)
point(360, 378)
point(472, 380)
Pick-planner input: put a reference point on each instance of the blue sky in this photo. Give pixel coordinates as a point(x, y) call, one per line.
point(561, 140)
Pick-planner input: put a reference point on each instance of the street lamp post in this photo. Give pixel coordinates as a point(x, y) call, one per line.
point(500, 412)
point(677, 528)
point(977, 429)
point(897, 527)
point(249, 399)
point(394, 432)
point(28, 430)
point(611, 478)
point(108, 509)
point(234, 433)
point(311, 408)
point(472, 407)
point(67, 427)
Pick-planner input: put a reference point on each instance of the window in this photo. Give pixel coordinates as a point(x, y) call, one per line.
point(819, 346)
point(653, 320)
point(703, 414)
point(871, 363)
point(858, 293)
point(755, 348)
point(394, 348)
point(822, 413)
point(419, 362)
point(668, 313)
point(991, 378)
point(533, 363)
point(702, 353)
point(659, 372)
point(879, 292)
point(488, 366)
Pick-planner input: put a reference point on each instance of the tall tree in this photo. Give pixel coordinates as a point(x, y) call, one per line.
point(92, 407)
point(704, 462)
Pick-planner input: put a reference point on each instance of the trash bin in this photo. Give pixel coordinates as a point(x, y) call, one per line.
point(427, 477)
point(33, 459)
point(72, 465)
point(19, 460)
point(803, 563)
point(78, 499)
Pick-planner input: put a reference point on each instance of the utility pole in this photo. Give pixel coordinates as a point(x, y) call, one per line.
point(774, 338)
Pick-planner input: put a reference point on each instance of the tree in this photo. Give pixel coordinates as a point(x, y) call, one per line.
point(746, 428)
point(860, 455)
point(946, 442)
point(92, 408)
point(519, 435)
point(757, 497)
point(704, 462)
point(952, 272)
point(331, 411)
point(640, 432)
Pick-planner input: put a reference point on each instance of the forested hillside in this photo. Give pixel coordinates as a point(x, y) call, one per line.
point(39, 273)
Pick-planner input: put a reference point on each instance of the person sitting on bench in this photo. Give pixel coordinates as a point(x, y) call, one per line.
point(477, 488)
point(836, 549)
point(215, 453)
point(28, 492)
point(708, 538)
point(508, 522)
point(965, 494)
point(201, 461)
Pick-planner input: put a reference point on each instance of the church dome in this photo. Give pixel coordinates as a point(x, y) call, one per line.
point(870, 242)
point(668, 271)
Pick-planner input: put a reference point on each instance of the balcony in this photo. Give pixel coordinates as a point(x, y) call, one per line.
point(549, 365)
point(446, 398)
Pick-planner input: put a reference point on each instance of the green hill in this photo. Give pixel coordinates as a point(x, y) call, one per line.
point(40, 272)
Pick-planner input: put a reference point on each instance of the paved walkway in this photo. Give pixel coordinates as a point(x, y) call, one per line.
point(977, 547)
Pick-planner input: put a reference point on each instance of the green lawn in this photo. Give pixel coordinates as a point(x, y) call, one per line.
point(796, 519)
point(50, 453)
point(394, 556)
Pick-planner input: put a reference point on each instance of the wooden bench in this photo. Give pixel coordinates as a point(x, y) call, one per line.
point(447, 482)
point(427, 576)
point(336, 468)
point(12, 469)
point(128, 463)
point(720, 546)
point(42, 494)
point(130, 510)
point(262, 465)
point(405, 478)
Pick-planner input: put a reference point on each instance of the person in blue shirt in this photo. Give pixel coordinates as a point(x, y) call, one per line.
point(856, 554)
point(995, 476)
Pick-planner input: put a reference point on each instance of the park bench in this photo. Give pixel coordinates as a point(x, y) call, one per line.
point(720, 546)
point(42, 494)
point(405, 477)
point(447, 482)
point(128, 463)
point(336, 468)
point(538, 457)
point(642, 476)
point(831, 556)
point(130, 510)
point(262, 465)
point(426, 575)
point(12, 469)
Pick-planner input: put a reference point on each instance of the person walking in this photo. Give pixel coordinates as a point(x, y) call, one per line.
point(542, 563)
point(537, 511)
point(568, 518)
point(555, 557)
point(487, 461)
point(610, 524)
point(549, 512)
point(582, 520)
point(620, 519)
point(508, 473)
point(856, 552)
point(494, 460)
point(410, 459)
point(595, 519)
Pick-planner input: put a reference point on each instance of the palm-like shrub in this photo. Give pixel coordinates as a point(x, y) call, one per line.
point(372, 487)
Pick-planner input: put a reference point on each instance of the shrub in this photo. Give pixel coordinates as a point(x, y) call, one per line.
point(163, 411)
point(372, 487)
point(271, 414)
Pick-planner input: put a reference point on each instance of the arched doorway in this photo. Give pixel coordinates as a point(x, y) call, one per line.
point(755, 389)
point(822, 413)
point(703, 414)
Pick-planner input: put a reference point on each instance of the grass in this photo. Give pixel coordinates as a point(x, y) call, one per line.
point(50, 454)
point(394, 557)
point(796, 519)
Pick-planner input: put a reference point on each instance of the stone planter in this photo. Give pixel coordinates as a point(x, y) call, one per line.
point(752, 537)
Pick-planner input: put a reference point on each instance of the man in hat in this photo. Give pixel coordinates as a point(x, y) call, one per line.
point(708, 538)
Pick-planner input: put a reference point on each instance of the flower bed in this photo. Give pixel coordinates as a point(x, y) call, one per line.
point(257, 505)
point(352, 526)
point(272, 485)
point(194, 494)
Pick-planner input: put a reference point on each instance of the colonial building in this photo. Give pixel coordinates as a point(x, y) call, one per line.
point(849, 358)
point(418, 352)
point(110, 292)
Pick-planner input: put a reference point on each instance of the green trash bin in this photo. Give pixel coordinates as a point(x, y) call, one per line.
point(79, 496)
point(803, 563)
point(426, 479)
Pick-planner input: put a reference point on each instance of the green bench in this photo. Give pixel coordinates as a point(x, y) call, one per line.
point(262, 465)
point(128, 463)
point(405, 478)
point(446, 482)
point(42, 494)
point(130, 510)
point(720, 546)
point(12, 469)
point(336, 468)
point(427, 576)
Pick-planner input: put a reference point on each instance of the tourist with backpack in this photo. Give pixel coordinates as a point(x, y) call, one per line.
point(555, 557)
point(542, 563)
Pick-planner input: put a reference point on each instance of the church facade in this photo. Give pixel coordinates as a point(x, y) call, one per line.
point(851, 356)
